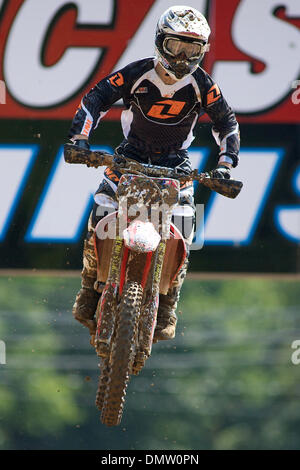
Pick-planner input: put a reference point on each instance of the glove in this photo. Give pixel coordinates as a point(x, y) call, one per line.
point(221, 171)
point(82, 143)
point(119, 159)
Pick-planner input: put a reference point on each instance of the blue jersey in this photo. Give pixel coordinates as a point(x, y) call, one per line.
point(160, 118)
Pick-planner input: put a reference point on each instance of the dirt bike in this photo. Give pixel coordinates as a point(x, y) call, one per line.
point(137, 259)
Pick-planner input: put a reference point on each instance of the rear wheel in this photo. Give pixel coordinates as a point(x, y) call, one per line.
point(122, 354)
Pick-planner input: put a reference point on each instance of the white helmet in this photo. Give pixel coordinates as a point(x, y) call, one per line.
point(181, 40)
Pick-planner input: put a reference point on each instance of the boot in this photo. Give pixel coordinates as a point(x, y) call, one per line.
point(166, 315)
point(87, 298)
point(166, 318)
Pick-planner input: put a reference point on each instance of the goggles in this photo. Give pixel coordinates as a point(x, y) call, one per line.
point(192, 50)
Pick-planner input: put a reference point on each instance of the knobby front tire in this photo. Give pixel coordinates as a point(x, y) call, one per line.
point(122, 355)
point(103, 379)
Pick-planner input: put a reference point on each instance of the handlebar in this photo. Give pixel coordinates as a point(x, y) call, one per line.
point(74, 154)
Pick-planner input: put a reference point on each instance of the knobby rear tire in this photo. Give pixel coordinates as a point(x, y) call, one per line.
point(122, 354)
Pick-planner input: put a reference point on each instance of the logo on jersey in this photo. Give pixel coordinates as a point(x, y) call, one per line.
point(213, 94)
point(117, 79)
point(142, 89)
point(166, 109)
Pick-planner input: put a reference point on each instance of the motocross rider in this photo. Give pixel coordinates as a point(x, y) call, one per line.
point(163, 96)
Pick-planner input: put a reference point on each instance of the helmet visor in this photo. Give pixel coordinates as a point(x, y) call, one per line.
point(192, 50)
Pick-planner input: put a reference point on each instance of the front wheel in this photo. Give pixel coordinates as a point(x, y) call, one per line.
point(122, 354)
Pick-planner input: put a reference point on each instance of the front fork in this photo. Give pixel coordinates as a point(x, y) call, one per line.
point(107, 305)
point(124, 265)
point(149, 310)
point(144, 268)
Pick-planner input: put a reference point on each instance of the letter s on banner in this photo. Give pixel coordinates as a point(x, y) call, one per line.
point(280, 53)
point(31, 82)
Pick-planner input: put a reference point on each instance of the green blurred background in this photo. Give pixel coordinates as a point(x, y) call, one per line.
point(226, 382)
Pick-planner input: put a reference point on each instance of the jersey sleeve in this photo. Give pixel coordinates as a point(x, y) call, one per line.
point(95, 104)
point(225, 127)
